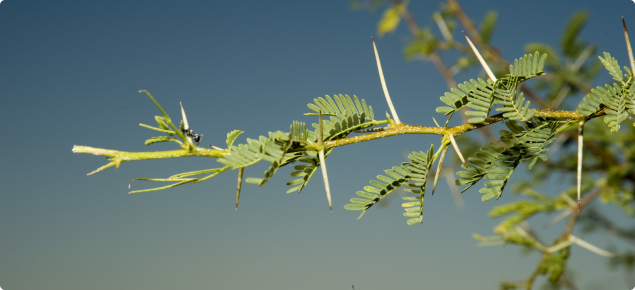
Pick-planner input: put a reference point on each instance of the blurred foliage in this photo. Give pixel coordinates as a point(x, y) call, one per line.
point(609, 158)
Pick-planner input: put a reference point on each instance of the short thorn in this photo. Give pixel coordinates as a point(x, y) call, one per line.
point(186, 126)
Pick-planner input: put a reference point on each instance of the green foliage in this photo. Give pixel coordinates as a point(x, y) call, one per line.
point(474, 94)
point(273, 149)
point(555, 263)
point(391, 18)
point(424, 43)
point(231, 137)
point(348, 115)
point(592, 106)
point(515, 107)
point(413, 173)
point(482, 95)
point(525, 141)
point(487, 26)
point(529, 66)
point(615, 100)
point(611, 65)
point(571, 46)
point(419, 167)
point(378, 190)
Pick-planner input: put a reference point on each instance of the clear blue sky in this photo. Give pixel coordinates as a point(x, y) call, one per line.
point(69, 75)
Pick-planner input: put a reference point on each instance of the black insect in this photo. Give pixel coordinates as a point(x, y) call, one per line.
point(187, 132)
point(190, 133)
point(197, 138)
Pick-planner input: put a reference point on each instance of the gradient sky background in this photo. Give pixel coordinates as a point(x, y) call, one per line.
point(70, 72)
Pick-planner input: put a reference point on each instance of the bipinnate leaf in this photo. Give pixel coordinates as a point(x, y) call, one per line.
point(413, 173)
point(611, 65)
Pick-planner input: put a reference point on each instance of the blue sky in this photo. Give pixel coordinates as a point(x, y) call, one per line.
point(70, 73)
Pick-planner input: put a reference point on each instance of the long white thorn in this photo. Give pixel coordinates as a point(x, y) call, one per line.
point(186, 126)
point(436, 176)
point(628, 46)
point(458, 151)
point(580, 143)
point(480, 58)
point(326, 179)
point(383, 85)
point(323, 162)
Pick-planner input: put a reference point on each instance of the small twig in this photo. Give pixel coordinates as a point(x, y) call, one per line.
point(557, 218)
point(443, 27)
point(590, 247)
point(434, 55)
point(383, 84)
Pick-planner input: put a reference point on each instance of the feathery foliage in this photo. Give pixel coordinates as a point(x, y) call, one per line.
point(525, 141)
point(348, 115)
point(413, 173)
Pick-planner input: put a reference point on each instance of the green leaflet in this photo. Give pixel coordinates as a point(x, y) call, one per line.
point(419, 167)
point(378, 190)
point(487, 26)
point(161, 123)
point(413, 173)
point(158, 139)
point(345, 107)
point(611, 65)
point(529, 66)
point(619, 99)
point(615, 99)
point(231, 137)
